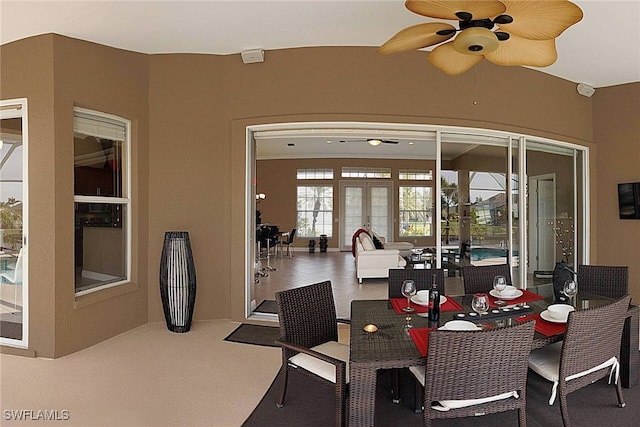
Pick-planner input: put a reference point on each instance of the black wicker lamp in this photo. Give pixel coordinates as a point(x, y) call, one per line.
point(177, 281)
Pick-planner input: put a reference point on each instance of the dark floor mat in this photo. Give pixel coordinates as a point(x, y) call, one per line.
point(255, 334)
point(267, 306)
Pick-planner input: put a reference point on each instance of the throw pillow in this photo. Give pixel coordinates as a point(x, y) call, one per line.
point(378, 244)
point(367, 242)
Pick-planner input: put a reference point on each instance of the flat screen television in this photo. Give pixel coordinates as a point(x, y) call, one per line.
point(629, 200)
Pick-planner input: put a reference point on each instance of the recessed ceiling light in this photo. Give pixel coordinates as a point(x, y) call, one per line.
point(411, 143)
point(374, 142)
point(329, 141)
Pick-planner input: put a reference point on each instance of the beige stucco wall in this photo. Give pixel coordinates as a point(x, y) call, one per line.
point(189, 175)
point(189, 115)
point(55, 74)
point(26, 71)
point(617, 133)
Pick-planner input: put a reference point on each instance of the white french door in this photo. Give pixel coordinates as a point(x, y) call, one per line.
point(365, 204)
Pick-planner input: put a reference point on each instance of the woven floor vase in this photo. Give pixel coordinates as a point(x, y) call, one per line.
point(177, 281)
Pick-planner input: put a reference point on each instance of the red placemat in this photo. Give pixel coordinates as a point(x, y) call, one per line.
point(420, 337)
point(548, 329)
point(399, 303)
point(450, 305)
point(527, 296)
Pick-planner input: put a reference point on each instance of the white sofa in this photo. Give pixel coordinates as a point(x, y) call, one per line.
point(403, 247)
point(372, 262)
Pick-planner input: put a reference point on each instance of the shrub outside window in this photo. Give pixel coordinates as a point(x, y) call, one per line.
point(415, 210)
point(315, 211)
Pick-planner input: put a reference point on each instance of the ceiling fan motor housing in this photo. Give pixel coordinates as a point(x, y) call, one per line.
point(476, 41)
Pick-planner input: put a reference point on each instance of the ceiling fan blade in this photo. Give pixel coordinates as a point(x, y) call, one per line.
point(540, 20)
point(520, 51)
point(417, 37)
point(447, 9)
point(449, 60)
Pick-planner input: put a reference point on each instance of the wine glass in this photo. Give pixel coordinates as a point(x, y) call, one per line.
point(570, 289)
point(499, 284)
point(480, 303)
point(408, 290)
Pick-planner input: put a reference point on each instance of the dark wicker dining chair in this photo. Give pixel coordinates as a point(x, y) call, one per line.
point(422, 276)
point(479, 278)
point(309, 340)
point(608, 281)
point(288, 244)
point(588, 352)
point(473, 373)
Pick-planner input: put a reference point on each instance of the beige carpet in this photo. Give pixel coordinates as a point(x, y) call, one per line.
point(144, 377)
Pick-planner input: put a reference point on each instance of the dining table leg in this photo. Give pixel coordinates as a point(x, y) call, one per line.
point(629, 354)
point(362, 394)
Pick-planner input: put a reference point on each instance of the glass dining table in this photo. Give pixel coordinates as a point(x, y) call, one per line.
point(392, 346)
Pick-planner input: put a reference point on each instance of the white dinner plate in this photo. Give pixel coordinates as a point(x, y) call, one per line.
point(459, 325)
point(515, 295)
point(416, 300)
point(546, 316)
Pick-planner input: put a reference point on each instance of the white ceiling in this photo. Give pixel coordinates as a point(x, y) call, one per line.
point(601, 50)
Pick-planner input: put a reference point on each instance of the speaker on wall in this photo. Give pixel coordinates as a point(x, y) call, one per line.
point(252, 56)
point(585, 90)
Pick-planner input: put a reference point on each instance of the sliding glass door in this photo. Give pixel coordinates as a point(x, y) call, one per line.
point(13, 208)
point(505, 198)
point(555, 208)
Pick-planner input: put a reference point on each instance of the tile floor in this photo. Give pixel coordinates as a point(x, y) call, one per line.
point(306, 268)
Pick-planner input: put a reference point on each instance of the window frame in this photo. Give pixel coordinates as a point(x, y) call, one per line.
point(124, 199)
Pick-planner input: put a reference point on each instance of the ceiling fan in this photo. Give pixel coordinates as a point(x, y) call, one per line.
point(372, 141)
point(506, 32)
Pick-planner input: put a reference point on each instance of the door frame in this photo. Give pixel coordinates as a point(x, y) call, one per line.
point(256, 125)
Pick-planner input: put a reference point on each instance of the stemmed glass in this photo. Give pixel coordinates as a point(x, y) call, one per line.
point(408, 290)
point(499, 284)
point(570, 289)
point(480, 303)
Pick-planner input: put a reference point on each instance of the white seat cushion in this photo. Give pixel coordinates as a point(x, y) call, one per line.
point(320, 367)
point(446, 405)
point(545, 361)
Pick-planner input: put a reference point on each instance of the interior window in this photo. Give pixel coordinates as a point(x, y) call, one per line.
point(315, 211)
point(101, 200)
